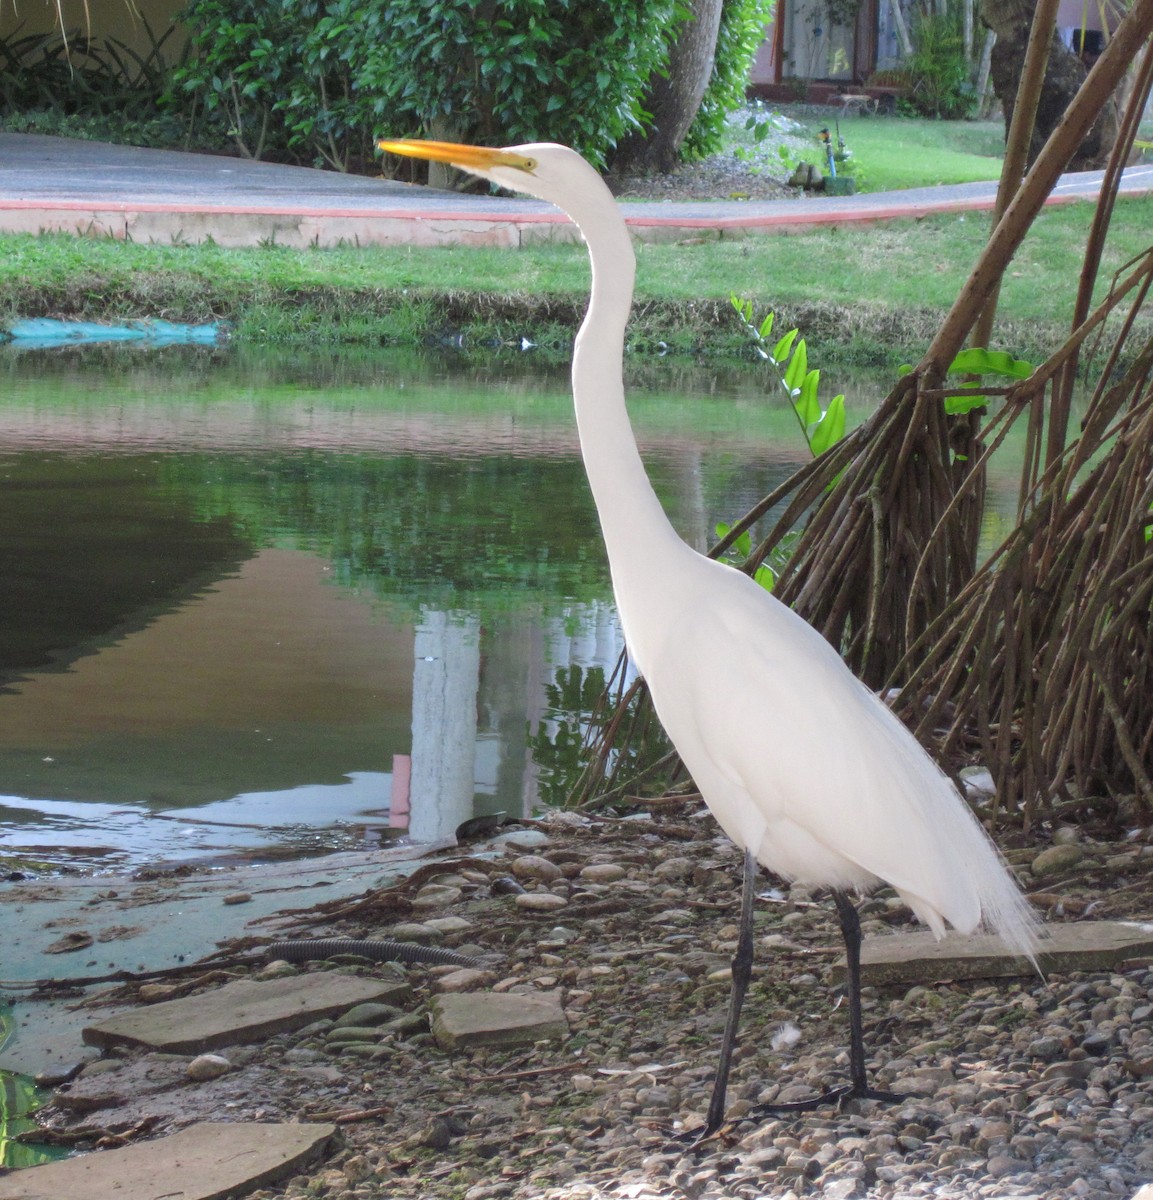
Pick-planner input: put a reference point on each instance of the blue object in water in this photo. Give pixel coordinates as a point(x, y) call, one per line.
point(48, 332)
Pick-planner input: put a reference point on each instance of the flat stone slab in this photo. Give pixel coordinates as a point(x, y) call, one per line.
point(244, 1011)
point(209, 1161)
point(1080, 946)
point(464, 1019)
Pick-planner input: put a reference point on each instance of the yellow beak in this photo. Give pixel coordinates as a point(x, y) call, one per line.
point(467, 158)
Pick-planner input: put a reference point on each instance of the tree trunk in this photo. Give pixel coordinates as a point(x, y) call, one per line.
point(673, 100)
point(1010, 20)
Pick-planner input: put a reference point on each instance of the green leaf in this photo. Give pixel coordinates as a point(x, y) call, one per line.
point(742, 545)
point(766, 325)
point(959, 405)
point(807, 405)
point(831, 427)
point(797, 369)
point(781, 349)
point(978, 361)
point(765, 577)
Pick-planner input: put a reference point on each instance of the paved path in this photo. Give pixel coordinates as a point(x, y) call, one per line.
point(68, 186)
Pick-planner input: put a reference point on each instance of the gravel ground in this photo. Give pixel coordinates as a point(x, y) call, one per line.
point(1015, 1088)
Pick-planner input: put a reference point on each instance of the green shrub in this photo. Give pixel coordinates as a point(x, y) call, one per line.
point(938, 69)
point(320, 80)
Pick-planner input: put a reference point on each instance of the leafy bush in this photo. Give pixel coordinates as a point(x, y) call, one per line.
point(319, 80)
point(741, 33)
point(938, 69)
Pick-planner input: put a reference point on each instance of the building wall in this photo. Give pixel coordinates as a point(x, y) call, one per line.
point(123, 20)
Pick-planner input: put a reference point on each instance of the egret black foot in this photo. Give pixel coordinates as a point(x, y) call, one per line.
point(837, 1096)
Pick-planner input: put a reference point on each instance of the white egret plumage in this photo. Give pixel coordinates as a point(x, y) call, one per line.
point(846, 801)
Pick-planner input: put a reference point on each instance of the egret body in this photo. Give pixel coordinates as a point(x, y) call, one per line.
point(805, 769)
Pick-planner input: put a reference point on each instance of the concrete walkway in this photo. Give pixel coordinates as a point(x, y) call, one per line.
point(59, 185)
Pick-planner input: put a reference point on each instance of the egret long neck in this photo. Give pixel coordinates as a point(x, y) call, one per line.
point(640, 541)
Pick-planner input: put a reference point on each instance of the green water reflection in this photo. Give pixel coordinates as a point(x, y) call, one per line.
point(252, 593)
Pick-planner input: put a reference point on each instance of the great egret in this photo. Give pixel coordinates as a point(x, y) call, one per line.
point(803, 767)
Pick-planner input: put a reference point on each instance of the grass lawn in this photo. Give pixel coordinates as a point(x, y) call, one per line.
point(862, 275)
point(894, 153)
point(889, 153)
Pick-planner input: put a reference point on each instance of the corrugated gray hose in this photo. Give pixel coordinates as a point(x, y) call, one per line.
point(307, 949)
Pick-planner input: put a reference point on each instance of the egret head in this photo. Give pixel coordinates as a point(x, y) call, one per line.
point(545, 170)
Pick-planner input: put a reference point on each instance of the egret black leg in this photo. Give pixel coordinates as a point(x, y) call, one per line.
point(851, 932)
point(742, 973)
point(858, 1087)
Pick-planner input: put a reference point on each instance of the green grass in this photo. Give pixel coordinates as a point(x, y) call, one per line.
point(887, 283)
point(895, 153)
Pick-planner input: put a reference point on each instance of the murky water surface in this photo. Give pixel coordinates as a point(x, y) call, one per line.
point(259, 604)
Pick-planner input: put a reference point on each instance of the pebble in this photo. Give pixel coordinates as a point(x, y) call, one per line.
point(521, 839)
point(208, 1066)
point(1055, 859)
point(364, 1015)
point(436, 895)
point(467, 979)
point(533, 866)
point(238, 898)
point(602, 873)
point(1017, 1089)
point(540, 901)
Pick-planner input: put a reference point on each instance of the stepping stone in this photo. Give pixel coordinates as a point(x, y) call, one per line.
point(464, 1019)
point(244, 1011)
point(208, 1161)
point(1080, 946)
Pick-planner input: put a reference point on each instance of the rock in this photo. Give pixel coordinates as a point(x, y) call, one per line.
point(202, 1162)
point(1048, 1049)
point(237, 898)
point(533, 866)
point(102, 1066)
point(908, 958)
point(1001, 1165)
point(674, 869)
point(467, 979)
point(602, 873)
point(277, 969)
point(364, 1015)
point(436, 895)
point(90, 1099)
point(415, 931)
point(540, 901)
point(353, 1033)
point(153, 993)
point(243, 1011)
point(843, 1188)
point(497, 1019)
point(208, 1066)
point(447, 924)
point(522, 839)
point(1056, 859)
point(1067, 1070)
point(54, 1076)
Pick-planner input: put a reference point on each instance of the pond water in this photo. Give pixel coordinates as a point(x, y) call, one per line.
point(258, 603)
point(262, 604)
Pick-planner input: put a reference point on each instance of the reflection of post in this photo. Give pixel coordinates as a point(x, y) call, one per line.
point(444, 688)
